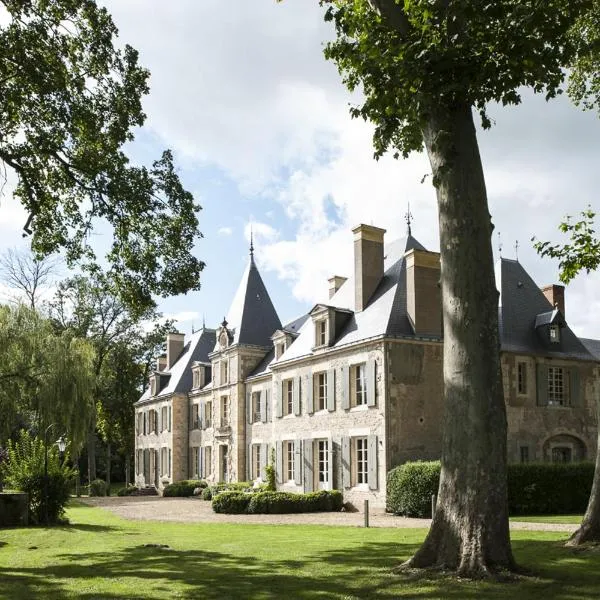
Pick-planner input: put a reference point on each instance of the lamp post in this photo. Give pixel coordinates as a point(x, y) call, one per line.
point(61, 447)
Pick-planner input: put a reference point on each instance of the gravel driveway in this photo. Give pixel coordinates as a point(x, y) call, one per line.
point(194, 510)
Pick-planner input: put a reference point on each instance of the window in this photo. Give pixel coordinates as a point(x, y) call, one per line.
point(554, 334)
point(164, 469)
point(169, 464)
point(256, 461)
point(207, 461)
point(153, 385)
point(521, 378)
point(524, 454)
point(196, 378)
point(196, 461)
point(140, 462)
point(562, 454)
point(556, 389)
point(208, 414)
point(195, 422)
point(359, 382)
point(288, 461)
point(279, 349)
point(288, 397)
point(323, 464)
point(153, 421)
point(321, 332)
point(164, 418)
point(361, 462)
point(140, 423)
point(321, 390)
point(224, 411)
point(256, 416)
point(169, 418)
point(224, 372)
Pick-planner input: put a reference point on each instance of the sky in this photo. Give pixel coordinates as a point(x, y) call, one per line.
point(259, 125)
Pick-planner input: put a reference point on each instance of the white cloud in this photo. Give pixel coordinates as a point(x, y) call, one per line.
point(225, 231)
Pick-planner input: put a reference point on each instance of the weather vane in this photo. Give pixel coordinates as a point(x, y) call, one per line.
point(251, 241)
point(517, 250)
point(499, 245)
point(409, 219)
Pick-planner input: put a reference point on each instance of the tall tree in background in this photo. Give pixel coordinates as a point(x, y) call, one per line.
point(424, 66)
point(70, 100)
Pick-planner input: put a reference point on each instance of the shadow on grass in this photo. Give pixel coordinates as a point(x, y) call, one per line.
point(87, 527)
point(358, 572)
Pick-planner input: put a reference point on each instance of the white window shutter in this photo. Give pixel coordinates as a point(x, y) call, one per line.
point(250, 416)
point(296, 395)
point(345, 387)
point(264, 460)
point(372, 462)
point(371, 382)
point(331, 390)
point(263, 406)
point(308, 466)
point(279, 461)
point(310, 404)
point(169, 418)
point(330, 463)
point(298, 462)
point(278, 399)
point(346, 465)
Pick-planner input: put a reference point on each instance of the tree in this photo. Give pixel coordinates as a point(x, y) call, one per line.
point(69, 101)
point(26, 275)
point(424, 66)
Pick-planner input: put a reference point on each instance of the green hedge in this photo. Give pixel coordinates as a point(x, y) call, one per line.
point(130, 490)
point(241, 486)
point(533, 488)
point(183, 489)
point(277, 502)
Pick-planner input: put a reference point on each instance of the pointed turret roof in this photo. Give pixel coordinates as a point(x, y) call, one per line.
point(252, 318)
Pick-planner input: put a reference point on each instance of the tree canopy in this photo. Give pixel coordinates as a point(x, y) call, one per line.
point(70, 100)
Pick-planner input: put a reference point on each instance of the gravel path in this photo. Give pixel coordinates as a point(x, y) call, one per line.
point(194, 510)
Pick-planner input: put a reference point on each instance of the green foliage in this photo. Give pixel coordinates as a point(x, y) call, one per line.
point(533, 488)
point(183, 489)
point(24, 471)
point(207, 493)
point(582, 254)
point(271, 482)
point(232, 503)
point(70, 101)
point(410, 486)
point(98, 487)
point(130, 490)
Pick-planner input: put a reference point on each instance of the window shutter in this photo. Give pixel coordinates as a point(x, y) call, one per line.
point(298, 462)
point(169, 418)
point(331, 390)
point(169, 465)
point(346, 471)
point(263, 406)
point(249, 462)
point(159, 419)
point(201, 470)
point(371, 383)
point(310, 404)
point(372, 462)
point(279, 461)
point(277, 399)
point(202, 410)
point(296, 396)
point(268, 405)
point(264, 460)
point(575, 387)
point(346, 387)
point(542, 385)
point(308, 466)
point(249, 406)
point(330, 464)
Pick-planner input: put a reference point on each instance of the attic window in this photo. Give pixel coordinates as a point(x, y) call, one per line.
point(153, 381)
point(279, 349)
point(321, 332)
point(554, 334)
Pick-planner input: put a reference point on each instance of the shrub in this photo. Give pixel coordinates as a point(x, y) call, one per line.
point(130, 490)
point(183, 489)
point(287, 502)
point(24, 471)
point(206, 493)
point(233, 503)
point(533, 488)
point(410, 486)
point(271, 475)
point(98, 487)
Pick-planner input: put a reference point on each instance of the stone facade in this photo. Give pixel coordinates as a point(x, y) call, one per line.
point(341, 396)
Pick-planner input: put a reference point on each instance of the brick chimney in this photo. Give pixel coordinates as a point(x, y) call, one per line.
point(335, 283)
point(368, 263)
point(423, 292)
point(174, 347)
point(555, 294)
point(161, 363)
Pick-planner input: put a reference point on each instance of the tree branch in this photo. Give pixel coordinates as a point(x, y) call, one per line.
point(393, 13)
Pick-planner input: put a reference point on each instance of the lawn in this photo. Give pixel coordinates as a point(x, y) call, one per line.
point(102, 556)
point(569, 519)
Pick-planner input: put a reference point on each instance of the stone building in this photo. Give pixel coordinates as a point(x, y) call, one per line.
point(353, 388)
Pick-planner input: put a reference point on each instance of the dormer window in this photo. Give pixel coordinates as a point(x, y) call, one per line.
point(554, 334)
point(195, 378)
point(153, 385)
point(279, 350)
point(321, 332)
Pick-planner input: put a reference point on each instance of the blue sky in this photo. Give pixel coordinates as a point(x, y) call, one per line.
point(259, 125)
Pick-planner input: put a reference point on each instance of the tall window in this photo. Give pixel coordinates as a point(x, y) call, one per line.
point(255, 461)
point(224, 411)
point(208, 413)
point(522, 378)
point(323, 464)
point(321, 390)
point(164, 468)
point(288, 457)
point(140, 423)
point(256, 416)
point(164, 415)
point(288, 397)
point(360, 384)
point(321, 332)
point(524, 454)
point(224, 372)
point(196, 378)
point(556, 388)
point(195, 416)
point(362, 460)
point(279, 349)
point(207, 461)
point(196, 461)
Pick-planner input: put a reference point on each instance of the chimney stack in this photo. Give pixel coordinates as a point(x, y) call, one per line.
point(555, 294)
point(161, 363)
point(335, 283)
point(174, 347)
point(423, 292)
point(368, 263)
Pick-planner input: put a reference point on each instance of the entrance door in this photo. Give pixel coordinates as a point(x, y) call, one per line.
point(323, 465)
point(223, 474)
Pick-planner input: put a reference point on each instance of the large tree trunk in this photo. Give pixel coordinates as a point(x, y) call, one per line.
point(589, 530)
point(469, 532)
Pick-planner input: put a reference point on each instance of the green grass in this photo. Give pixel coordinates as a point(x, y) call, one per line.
point(102, 556)
point(569, 519)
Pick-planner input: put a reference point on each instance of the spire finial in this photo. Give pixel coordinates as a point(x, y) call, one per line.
point(251, 242)
point(203, 322)
point(193, 332)
point(408, 216)
point(517, 250)
point(499, 245)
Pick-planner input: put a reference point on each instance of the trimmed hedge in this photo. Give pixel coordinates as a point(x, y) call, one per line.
point(183, 489)
point(208, 493)
point(277, 502)
point(130, 490)
point(533, 488)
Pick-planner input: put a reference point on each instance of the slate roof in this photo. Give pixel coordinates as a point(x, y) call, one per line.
point(180, 374)
point(593, 347)
point(522, 303)
point(252, 317)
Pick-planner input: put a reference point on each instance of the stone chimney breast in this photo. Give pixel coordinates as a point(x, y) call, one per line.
point(368, 263)
point(175, 342)
point(423, 293)
point(555, 294)
point(335, 283)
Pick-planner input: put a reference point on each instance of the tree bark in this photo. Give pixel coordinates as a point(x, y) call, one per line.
point(589, 530)
point(91, 451)
point(127, 472)
point(108, 459)
point(469, 532)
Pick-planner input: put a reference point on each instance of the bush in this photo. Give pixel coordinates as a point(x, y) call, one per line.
point(533, 488)
point(271, 475)
point(130, 490)
point(232, 503)
point(24, 471)
point(287, 502)
point(98, 487)
point(206, 493)
point(183, 489)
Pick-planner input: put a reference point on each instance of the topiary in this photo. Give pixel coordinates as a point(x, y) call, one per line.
point(98, 487)
point(232, 503)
